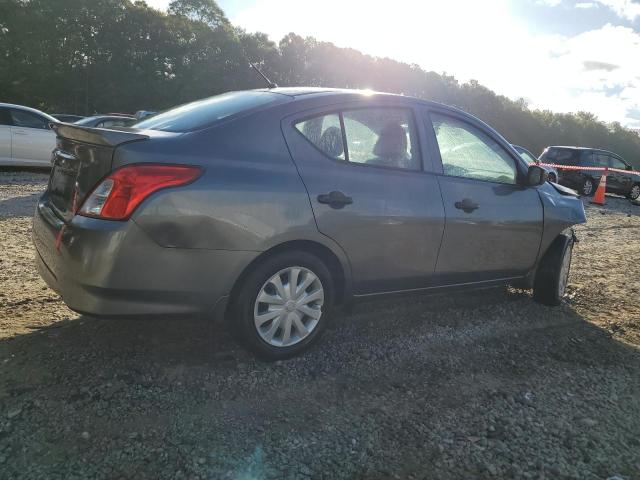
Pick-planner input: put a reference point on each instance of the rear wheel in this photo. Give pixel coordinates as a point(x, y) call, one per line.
point(284, 304)
point(587, 187)
point(634, 194)
point(552, 277)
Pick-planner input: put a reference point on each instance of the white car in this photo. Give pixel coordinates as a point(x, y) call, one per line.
point(26, 138)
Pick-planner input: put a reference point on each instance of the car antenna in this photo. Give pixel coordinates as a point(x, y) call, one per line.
point(270, 84)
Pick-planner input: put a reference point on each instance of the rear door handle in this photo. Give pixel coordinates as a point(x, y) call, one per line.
point(467, 205)
point(19, 132)
point(335, 199)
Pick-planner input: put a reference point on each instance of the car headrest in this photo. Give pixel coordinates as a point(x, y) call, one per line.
point(331, 142)
point(392, 142)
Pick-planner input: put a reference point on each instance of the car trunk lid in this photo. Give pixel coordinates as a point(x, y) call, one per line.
point(82, 157)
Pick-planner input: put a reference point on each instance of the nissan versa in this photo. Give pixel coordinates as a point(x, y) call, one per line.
point(271, 207)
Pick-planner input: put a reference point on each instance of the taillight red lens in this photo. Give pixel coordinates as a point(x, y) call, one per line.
point(119, 194)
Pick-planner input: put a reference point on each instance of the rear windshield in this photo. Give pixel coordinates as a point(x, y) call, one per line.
point(562, 156)
point(201, 113)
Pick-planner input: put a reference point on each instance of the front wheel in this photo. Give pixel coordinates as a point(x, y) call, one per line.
point(634, 194)
point(587, 187)
point(552, 277)
point(284, 304)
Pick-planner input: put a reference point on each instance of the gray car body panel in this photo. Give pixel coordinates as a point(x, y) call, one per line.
point(184, 248)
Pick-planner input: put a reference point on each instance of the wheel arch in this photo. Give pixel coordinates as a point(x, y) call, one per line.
point(336, 263)
point(557, 244)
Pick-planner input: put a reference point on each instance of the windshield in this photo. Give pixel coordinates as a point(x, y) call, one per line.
point(202, 113)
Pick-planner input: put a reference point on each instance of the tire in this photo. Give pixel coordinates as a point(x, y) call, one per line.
point(634, 194)
point(588, 187)
point(552, 177)
point(551, 279)
point(304, 315)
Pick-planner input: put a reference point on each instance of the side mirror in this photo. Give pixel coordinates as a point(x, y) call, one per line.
point(628, 167)
point(536, 175)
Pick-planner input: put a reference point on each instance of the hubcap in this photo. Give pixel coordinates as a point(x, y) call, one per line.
point(588, 187)
point(288, 307)
point(635, 192)
point(564, 271)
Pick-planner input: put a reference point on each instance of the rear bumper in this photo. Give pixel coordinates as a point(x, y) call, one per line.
point(113, 268)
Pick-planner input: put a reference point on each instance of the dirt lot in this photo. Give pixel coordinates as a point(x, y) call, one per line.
point(483, 385)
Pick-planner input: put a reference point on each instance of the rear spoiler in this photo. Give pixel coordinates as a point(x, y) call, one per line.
point(96, 136)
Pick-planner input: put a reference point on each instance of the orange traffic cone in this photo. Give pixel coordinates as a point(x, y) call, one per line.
point(598, 198)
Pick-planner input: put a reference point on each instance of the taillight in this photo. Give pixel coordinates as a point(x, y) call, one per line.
point(119, 194)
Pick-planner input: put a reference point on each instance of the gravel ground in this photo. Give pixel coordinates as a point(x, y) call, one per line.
point(475, 385)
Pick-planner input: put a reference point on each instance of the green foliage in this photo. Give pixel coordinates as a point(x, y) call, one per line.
point(85, 56)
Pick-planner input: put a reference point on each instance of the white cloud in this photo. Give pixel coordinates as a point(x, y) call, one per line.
point(549, 3)
point(586, 5)
point(595, 71)
point(629, 9)
point(158, 4)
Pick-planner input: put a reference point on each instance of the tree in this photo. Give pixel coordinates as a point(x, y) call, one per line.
point(83, 56)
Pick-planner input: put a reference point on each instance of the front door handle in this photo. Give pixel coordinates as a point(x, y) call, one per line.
point(467, 205)
point(335, 199)
point(19, 132)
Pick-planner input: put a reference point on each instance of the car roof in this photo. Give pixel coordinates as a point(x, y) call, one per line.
point(585, 149)
point(346, 94)
point(126, 117)
point(28, 109)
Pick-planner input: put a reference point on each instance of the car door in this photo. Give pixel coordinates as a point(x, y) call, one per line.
point(494, 224)
point(5, 136)
point(620, 182)
point(32, 139)
point(363, 170)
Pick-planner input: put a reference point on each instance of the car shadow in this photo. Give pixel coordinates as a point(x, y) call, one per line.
point(19, 206)
point(181, 383)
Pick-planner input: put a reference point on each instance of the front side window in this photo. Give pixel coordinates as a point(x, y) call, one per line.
point(526, 156)
point(383, 137)
point(26, 119)
point(617, 163)
point(5, 116)
point(468, 152)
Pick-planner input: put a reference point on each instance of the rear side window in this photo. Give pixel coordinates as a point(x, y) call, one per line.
point(562, 156)
point(382, 137)
point(202, 113)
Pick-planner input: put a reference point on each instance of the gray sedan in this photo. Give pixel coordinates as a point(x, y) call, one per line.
point(270, 208)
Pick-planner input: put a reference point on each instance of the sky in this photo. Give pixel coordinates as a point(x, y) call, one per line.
point(561, 55)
